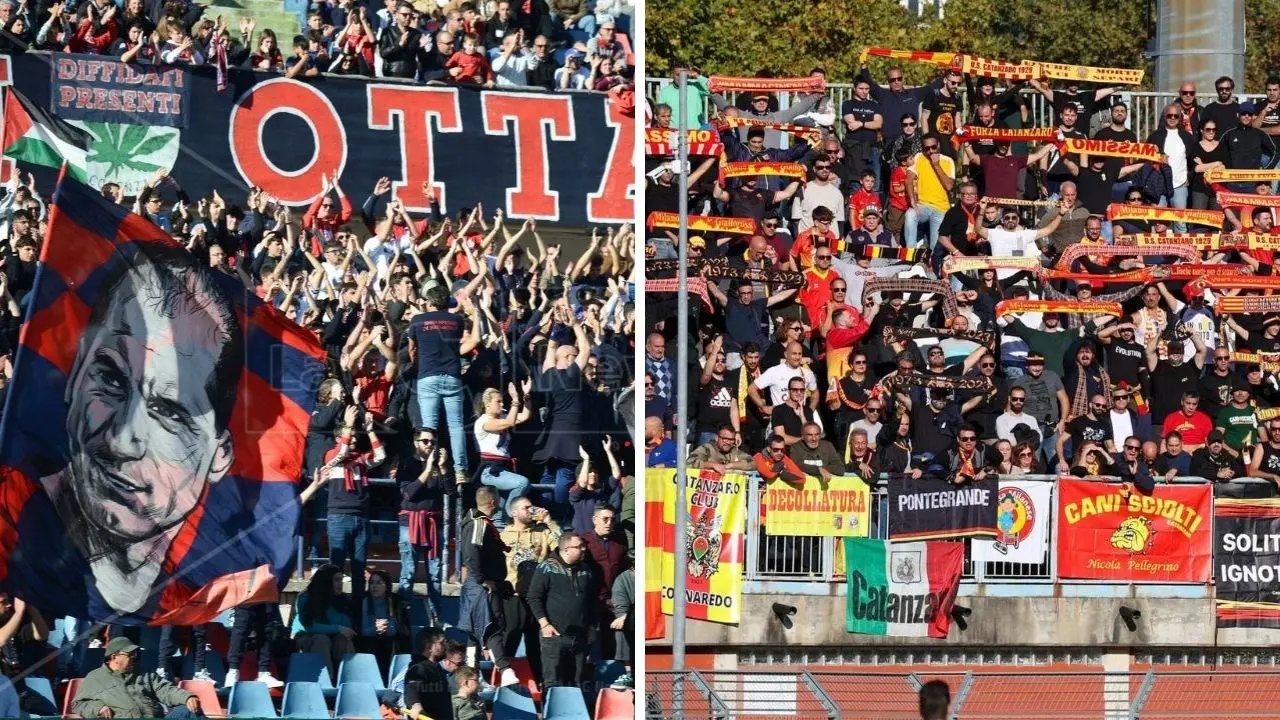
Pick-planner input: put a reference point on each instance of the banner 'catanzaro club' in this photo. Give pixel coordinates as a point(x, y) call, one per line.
point(562, 157)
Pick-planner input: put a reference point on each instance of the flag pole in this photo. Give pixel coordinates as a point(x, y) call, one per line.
point(680, 615)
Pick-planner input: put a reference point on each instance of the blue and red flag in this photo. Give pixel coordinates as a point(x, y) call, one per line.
point(153, 433)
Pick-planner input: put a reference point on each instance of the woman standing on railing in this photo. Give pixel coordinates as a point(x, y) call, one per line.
point(493, 436)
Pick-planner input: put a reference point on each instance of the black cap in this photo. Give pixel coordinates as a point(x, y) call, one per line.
point(1035, 357)
point(1216, 436)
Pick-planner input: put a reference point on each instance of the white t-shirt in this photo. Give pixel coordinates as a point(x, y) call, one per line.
point(815, 194)
point(777, 377)
point(1018, 243)
point(491, 443)
point(1176, 152)
point(1121, 427)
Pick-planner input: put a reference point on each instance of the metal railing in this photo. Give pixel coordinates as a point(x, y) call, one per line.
point(817, 559)
point(451, 563)
point(1154, 694)
point(1145, 108)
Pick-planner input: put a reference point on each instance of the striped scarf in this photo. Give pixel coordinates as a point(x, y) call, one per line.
point(1183, 252)
point(901, 334)
point(873, 252)
point(940, 288)
point(1080, 398)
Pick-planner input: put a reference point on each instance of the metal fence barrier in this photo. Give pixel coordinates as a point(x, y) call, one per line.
point(1145, 108)
point(816, 559)
point(1154, 694)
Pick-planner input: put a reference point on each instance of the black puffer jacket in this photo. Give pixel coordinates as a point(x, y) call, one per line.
point(564, 594)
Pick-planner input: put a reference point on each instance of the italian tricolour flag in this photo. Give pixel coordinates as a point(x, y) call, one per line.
point(901, 589)
point(36, 136)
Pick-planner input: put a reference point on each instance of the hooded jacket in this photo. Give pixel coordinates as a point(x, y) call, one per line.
point(564, 594)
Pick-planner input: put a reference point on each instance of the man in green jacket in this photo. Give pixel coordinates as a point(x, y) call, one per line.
point(117, 689)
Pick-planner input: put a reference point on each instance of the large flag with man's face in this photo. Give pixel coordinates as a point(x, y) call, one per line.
point(153, 433)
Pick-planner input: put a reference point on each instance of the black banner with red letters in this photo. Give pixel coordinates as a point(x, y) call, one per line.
point(566, 157)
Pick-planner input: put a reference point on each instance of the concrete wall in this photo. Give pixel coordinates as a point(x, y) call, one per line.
point(1004, 621)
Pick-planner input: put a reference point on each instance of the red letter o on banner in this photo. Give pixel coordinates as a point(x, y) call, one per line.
point(249, 118)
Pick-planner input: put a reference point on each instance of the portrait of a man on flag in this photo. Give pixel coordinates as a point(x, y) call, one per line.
point(169, 403)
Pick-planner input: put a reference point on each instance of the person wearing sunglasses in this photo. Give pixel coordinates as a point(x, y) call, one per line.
point(1247, 145)
point(1209, 153)
point(896, 99)
point(1131, 466)
point(1179, 146)
point(1090, 429)
point(969, 460)
point(1265, 463)
point(1215, 461)
point(940, 113)
point(822, 190)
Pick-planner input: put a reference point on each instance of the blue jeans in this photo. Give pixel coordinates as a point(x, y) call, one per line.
point(409, 555)
point(446, 389)
point(349, 532)
point(561, 474)
point(926, 213)
point(510, 485)
point(1179, 201)
point(180, 711)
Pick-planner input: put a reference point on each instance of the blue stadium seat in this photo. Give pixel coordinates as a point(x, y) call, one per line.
point(514, 704)
point(456, 633)
point(565, 703)
point(213, 663)
point(357, 699)
point(304, 700)
point(251, 699)
point(41, 687)
point(579, 36)
point(311, 668)
point(361, 668)
point(398, 663)
point(520, 651)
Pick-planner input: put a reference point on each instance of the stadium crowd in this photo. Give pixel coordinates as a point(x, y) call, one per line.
point(919, 302)
point(473, 429)
point(564, 45)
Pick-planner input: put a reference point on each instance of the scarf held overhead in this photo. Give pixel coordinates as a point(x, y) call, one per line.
point(810, 134)
point(940, 288)
point(1072, 307)
point(955, 264)
point(1125, 211)
point(1075, 252)
point(975, 133)
point(1222, 176)
point(899, 381)
point(662, 141)
point(1212, 241)
point(719, 268)
point(812, 84)
point(703, 223)
point(795, 171)
point(1235, 199)
point(1023, 70)
point(1147, 152)
point(901, 334)
point(1247, 305)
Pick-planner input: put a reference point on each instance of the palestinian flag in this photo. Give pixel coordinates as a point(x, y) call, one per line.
point(35, 136)
point(901, 589)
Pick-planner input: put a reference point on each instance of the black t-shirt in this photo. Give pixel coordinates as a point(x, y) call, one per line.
point(955, 225)
point(1084, 102)
point(943, 111)
point(1059, 169)
point(1215, 392)
point(1225, 116)
point(1094, 189)
point(662, 198)
point(743, 204)
point(715, 402)
point(863, 111)
point(744, 323)
point(438, 336)
point(1218, 154)
point(792, 423)
point(1167, 385)
point(1085, 430)
point(1107, 132)
point(1124, 361)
